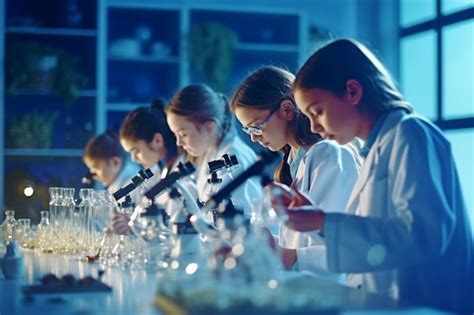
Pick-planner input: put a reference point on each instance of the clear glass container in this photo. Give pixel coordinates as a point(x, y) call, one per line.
point(55, 205)
point(68, 206)
point(148, 224)
point(9, 227)
point(26, 236)
point(44, 234)
point(86, 220)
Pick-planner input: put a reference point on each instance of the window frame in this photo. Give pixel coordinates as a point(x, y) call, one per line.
point(437, 24)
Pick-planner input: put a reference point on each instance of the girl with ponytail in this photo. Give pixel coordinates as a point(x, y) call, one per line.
point(322, 170)
point(145, 134)
point(202, 123)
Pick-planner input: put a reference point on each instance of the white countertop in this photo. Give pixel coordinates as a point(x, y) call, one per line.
point(133, 292)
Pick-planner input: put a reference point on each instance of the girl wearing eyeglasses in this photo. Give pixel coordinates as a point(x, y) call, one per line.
point(321, 169)
point(202, 123)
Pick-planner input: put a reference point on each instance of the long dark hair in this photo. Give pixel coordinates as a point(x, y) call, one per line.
point(104, 147)
point(330, 67)
point(264, 89)
point(144, 122)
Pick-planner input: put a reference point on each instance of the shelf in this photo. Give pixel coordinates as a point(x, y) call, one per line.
point(268, 47)
point(125, 107)
point(43, 92)
point(165, 59)
point(52, 31)
point(44, 152)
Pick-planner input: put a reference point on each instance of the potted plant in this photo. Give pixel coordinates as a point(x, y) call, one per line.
point(211, 51)
point(31, 130)
point(35, 66)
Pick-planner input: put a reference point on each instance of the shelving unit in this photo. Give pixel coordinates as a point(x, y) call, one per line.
point(51, 31)
point(41, 152)
point(146, 41)
point(272, 43)
point(45, 126)
point(130, 52)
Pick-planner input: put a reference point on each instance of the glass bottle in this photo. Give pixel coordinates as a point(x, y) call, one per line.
point(20, 228)
point(28, 236)
point(158, 237)
point(55, 205)
point(69, 234)
point(86, 218)
point(43, 236)
point(68, 206)
point(9, 227)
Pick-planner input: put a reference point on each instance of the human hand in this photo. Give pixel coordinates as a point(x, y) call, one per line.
point(271, 239)
point(299, 198)
point(282, 195)
point(305, 220)
point(119, 224)
point(288, 256)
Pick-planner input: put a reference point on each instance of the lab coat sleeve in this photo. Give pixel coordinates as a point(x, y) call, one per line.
point(328, 180)
point(320, 183)
point(417, 171)
point(313, 259)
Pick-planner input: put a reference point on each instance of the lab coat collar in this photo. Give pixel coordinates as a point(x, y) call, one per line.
point(295, 162)
point(393, 118)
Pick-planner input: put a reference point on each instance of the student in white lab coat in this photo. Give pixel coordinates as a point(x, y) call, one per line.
point(410, 236)
point(146, 136)
point(322, 169)
point(108, 163)
point(202, 123)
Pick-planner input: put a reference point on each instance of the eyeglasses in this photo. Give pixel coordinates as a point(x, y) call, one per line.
point(257, 129)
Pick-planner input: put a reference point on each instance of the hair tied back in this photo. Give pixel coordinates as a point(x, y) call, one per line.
point(158, 104)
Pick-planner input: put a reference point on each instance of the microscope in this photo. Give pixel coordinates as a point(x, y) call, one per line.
point(226, 165)
point(147, 219)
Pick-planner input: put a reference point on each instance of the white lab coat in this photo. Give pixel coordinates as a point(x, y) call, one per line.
point(162, 199)
point(410, 237)
point(327, 174)
point(128, 171)
point(250, 191)
point(160, 173)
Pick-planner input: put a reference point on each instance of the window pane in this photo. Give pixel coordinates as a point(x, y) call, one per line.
point(462, 142)
point(450, 6)
point(416, 11)
point(418, 72)
point(458, 70)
